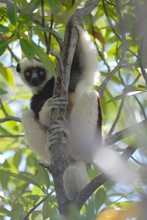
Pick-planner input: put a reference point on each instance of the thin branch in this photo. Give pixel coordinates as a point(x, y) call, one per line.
point(35, 206)
point(132, 130)
point(10, 118)
point(13, 54)
point(109, 21)
point(58, 57)
point(143, 69)
point(141, 107)
point(7, 116)
point(89, 189)
point(118, 115)
point(50, 36)
point(12, 136)
point(43, 25)
point(107, 79)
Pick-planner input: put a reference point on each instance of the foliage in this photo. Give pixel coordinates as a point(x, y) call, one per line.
point(29, 28)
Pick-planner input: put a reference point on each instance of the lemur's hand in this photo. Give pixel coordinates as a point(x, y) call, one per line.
point(45, 113)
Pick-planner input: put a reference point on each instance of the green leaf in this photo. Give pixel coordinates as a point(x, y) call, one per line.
point(3, 46)
point(27, 48)
point(27, 177)
point(7, 75)
point(3, 28)
point(2, 91)
point(46, 209)
point(4, 178)
point(17, 158)
point(12, 12)
point(44, 59)
point(17, 211)
point(31, 7)
point(100, 197)
point(4, 211)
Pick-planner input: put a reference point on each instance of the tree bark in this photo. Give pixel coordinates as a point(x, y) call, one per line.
point(59, 162)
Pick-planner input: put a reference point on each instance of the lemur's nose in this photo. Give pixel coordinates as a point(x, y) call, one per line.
point(35, 81)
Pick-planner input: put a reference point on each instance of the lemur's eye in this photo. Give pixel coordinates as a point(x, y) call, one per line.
point(41, 73)
point(27, 73)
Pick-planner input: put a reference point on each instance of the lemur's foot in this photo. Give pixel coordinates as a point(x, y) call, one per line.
point(54, 130)
point(56, 102)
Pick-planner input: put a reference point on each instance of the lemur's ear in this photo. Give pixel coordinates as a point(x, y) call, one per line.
point(18, 69)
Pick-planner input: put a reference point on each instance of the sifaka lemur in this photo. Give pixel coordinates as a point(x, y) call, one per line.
point(84, 116)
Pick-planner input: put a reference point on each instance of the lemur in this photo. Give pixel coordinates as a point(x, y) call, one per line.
point(85, 117)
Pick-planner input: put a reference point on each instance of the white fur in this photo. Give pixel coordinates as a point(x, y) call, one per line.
point(88, 51)
point(44, 115)
point(75, 178)
point(36, 135)
point(83, 124)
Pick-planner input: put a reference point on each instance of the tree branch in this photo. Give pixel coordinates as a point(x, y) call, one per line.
point(107, 79)
point(59, 163)
point(89, 6)
point(132, 130)
point(43, 25)
point(35, 207)
point(12, 136)
point(89, 189)
point(7, 116)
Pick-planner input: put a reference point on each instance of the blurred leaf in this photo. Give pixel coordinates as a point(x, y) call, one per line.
point(17, 158)
point(31, 7)
point(27, 177)
point(43, 176)
point(4, 211)
point(99, 36)
point(3, 28)
point(4, 178)
point(7, 75)
point(27, 48)
point(2, 92)
point(44, 59)
point(46, 209)
point(12, 12)
point(100, 197)
point(3, 46)
point(37, 215)
point(17, 211)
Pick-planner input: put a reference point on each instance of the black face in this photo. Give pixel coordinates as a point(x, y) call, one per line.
point(35, 75)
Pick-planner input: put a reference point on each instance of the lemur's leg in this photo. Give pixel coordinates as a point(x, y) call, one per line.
point(85, 126)
point(36, 135)
point(85, 130)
